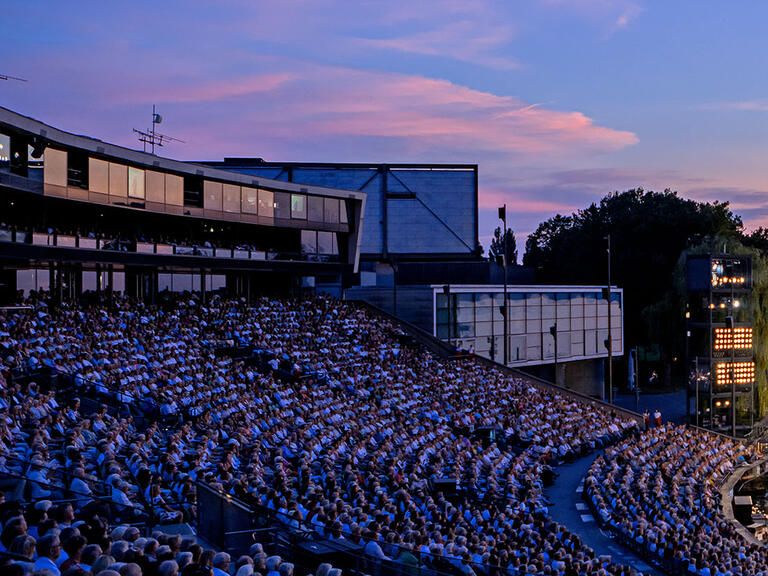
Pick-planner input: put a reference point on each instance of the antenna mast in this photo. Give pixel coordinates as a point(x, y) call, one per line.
point(152, 137)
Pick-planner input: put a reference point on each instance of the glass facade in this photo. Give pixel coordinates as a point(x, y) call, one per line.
point(568, 322)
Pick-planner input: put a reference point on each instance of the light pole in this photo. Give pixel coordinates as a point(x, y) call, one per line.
point(503, 218)
point(730, 320)
point(553, 331)
point(447, 292)
point(609, 345)
point(492, 339)
point(393, 265)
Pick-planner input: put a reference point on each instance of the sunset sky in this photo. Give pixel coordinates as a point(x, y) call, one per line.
point(558, 101)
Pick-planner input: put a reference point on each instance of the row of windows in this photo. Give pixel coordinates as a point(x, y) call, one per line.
point(319, 243)
point(525, 307)
point(559, 299)
point(539, 347)
point(39, 279)
point(76, 170)
point(470, 328)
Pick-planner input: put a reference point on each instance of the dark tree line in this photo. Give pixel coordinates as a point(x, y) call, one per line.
point(649, 230)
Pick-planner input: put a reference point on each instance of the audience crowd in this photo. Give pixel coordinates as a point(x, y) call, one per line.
point(333, 426)
point(659, 490)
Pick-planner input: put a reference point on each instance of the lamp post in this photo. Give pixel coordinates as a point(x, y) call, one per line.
point(503, 218)
point(492, 338)
point(447, 292)
point(610, 335)
point(393, 265)
point(553, 331)
point(732, 321)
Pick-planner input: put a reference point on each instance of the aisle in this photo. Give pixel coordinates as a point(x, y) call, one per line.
point(571, 511)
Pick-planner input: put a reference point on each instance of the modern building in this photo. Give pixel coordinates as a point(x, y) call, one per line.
point(719, 342)
point(413, 211)
point(78, 213)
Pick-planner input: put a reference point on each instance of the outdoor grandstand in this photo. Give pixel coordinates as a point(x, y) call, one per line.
point(329, 425)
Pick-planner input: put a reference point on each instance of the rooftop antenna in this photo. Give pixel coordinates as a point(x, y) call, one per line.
point(7, 77)
point(152, 137)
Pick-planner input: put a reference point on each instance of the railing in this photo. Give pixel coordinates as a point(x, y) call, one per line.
point(56, 240)
point(61, 494)
point(20, 182)
point(727, 494)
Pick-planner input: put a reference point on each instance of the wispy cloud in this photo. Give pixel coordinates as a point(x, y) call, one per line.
point(611, 15)
point(760, 105)
point(464, 41)
point(208, 90)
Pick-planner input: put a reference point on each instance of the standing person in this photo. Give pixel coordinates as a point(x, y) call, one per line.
point(657, 418)
point(647, 419)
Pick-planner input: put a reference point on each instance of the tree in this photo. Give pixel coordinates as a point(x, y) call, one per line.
point(496, 249)
point(648, 232)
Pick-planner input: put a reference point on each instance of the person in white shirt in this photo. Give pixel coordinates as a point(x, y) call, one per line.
point(48, 550)
point(221, 563)
point(80, 488)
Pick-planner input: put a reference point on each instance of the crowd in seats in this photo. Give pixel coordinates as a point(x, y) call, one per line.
point(42, 539)
point(338, 428)
point(659, 491)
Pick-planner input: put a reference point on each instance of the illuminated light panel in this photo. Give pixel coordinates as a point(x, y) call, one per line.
point(718, 281)
point(738, 338)
point(743, 373)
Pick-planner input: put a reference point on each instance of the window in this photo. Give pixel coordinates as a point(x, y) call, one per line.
point(213, 195)
point(55, 172)
point(282, 205)
point(5, 151)
point(298, 207)
point(322, 244)
point(135, 183)
point(266, 204)
point(77, 169)
point(118, 180)
point(231, 198)
point(315, 211)
point(98, 176)
point(174, 190)
point(250, 201)
point(155, 186)
point(308, 242)
point(325, 242)
point(193, 191)
point(331, 211)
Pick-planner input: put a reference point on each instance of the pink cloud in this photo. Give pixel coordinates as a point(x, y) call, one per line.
point(431, 114)
point(738, 105)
